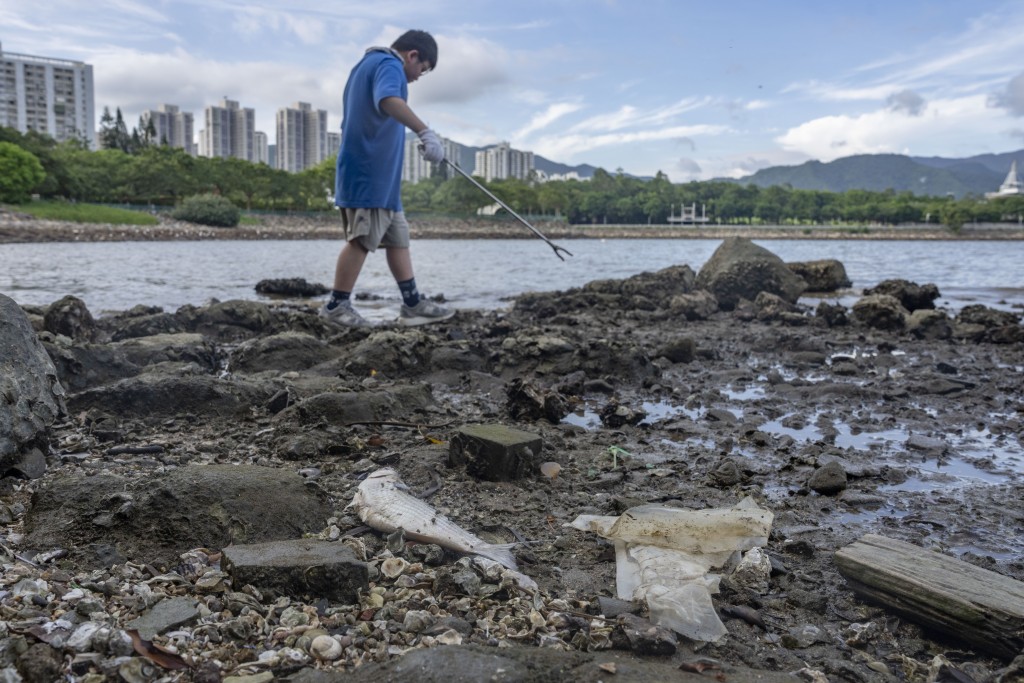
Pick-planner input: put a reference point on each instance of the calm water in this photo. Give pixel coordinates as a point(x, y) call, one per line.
point(470, 273)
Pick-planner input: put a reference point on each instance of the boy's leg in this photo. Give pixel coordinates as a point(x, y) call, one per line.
point(349, 265)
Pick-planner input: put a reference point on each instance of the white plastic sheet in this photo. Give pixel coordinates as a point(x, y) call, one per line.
point(664, 555)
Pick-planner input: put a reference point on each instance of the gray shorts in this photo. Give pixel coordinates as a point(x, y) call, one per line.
point(376, 228)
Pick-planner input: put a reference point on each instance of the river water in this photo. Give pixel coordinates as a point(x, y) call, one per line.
point(114, 276)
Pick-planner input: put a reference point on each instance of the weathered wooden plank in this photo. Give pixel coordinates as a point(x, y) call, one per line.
point(966, 602)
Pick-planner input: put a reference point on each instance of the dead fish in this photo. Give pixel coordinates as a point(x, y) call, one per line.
point(382, 502)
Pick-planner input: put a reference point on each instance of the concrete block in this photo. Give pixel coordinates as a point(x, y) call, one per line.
point(298, 568)
point(495, 452)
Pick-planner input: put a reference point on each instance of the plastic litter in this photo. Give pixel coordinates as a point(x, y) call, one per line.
point(664, 555)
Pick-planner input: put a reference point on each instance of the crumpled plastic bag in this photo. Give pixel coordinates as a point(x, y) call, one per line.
point(663, 556)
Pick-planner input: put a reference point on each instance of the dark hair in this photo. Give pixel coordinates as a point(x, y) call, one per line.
point(422, 42)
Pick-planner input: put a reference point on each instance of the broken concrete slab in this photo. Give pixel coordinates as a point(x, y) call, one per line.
point(164, 616)
point(495, 452)
point(298, 568)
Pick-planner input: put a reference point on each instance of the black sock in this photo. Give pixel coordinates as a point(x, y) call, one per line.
point(410, 295)
point(337, 296)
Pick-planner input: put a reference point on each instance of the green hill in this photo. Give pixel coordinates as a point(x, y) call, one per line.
point(935, 176)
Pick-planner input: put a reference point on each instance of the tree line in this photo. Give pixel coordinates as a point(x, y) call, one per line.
point(134, 168)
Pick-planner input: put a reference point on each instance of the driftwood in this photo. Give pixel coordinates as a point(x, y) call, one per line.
point(968, 603)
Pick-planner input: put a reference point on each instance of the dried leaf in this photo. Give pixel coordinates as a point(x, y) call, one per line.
point(609, 667)
point(376, 441)
point(156, 654)
point(550, 469)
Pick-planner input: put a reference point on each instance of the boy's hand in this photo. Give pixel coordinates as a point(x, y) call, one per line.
point(430, 146)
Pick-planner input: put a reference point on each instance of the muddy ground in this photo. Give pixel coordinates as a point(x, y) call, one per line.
point(634, 401)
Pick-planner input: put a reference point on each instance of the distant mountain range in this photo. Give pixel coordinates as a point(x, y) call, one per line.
point(937, 176)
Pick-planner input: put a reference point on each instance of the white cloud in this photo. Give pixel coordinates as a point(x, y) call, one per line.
point(571, 144)
point(629, 116)
point(889, 131)
point(545, 118)
point(1012, 97)
point(468, 68)
point(906, 101)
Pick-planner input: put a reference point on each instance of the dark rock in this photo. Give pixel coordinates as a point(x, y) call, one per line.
point(911, 295)
point(298, 568)
point(828, 479)
point(31, 397)
point(740, 269)
point(287, 351)
point(227, 320)
point(146, 326)
point(156, 518)
point(347, 407)
point(698, 305)
point(613, 607)
point(834, 315)
point(614, 414)
point(83, 366)
point(722, 415)
point(156, 395)
point(165, 615)
point(70, 317)
point(825, 275)
point(527, 401)
point(679, 350)
point(646, 638)
point(882, 312)
point(727, 473)
point(772, 306)
point(40, 664)
point(929, 324)
point(293, 287)
point(495, 452)
point(169, 348)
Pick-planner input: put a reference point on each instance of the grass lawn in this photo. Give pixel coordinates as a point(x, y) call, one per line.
point(85, 213)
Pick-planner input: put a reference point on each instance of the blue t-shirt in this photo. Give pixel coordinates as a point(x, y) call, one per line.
point(369, 171)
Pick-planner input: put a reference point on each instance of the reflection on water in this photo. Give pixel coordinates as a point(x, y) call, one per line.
point(470, 273)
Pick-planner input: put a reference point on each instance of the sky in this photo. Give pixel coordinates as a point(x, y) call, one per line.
point(696, 90)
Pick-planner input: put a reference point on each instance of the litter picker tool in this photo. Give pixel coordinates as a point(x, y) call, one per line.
point(557, 249)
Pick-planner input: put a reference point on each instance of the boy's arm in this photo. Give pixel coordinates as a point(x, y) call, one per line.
point(398, 109)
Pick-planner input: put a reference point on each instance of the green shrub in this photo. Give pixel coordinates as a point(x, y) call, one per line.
point(208, 209)
point(20, 171)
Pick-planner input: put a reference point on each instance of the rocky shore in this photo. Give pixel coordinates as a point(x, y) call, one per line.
point(15, 227)
point(176, 484)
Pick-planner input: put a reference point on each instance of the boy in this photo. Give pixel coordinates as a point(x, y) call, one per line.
point(369, 174)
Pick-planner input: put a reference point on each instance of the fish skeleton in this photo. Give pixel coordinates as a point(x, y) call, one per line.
point(382, 502)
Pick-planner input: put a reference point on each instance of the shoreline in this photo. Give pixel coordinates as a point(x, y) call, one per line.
point(19, 230)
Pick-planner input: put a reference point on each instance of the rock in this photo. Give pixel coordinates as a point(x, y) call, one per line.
point(646, 638)
point(926, 444)
point(752, 573)
point(698, 305)
point(228, 320)
point(169, 348)
point(347, 407)
point(882, 312)
point(146, 326)
point(31, 397)
point(727, 473)
point(40, 664)
point(740, 269)
point(527, 401)
point(83, 366)
point(291, 287)
point(927, 323)
point(980, 323)
point(495, 452)
point(614, 414)
point(679, 350)
point(834, 315)
point(828, 479)
point(911, 295)
point(156, 518)
point(165, 615)
point(773, 307)
point(825, 275)
point(282, 352)
point(70, 317)
point(299, 568)
point(613, 607)
point(155, 395)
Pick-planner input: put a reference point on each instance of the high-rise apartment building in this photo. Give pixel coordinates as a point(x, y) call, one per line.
point(173, 126)
point(501, 161)
point(52, 96)
point(333, 144)
point(415, 168)
point(230, 131)
point(262, 148)
point(301, 137)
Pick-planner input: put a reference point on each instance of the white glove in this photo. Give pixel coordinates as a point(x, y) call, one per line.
point(430, 146)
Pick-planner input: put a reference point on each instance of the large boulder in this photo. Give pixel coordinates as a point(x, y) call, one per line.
point(281, 353)
point(31, 397)
point(740, 269)
point(228, 320)
point(108, 519)
point(158, 395)
point(825, 275)
point(70, 316)
point(910, 294)
point(882, 312)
